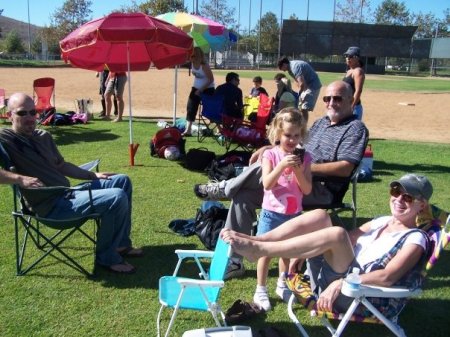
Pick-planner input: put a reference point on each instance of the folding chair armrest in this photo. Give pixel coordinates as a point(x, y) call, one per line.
point(376, 291)
point(91, 165)
point(185, 253)
point(202, 283)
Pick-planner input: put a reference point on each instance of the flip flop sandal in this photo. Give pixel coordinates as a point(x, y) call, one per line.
point(131, 252)
point(241, 311)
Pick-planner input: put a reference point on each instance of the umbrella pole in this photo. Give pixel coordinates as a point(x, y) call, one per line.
point(175, 89)
point(132, 148)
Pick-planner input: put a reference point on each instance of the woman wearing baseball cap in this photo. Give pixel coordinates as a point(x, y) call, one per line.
point(355, 76)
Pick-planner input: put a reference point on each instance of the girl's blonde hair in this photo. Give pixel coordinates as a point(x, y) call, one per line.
point(286, 115)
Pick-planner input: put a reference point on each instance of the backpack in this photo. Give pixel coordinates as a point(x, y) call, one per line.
point(209, 223)
point(169, 136)
point(228, 165)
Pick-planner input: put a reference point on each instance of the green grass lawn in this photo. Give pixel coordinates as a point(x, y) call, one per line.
point(57, 301)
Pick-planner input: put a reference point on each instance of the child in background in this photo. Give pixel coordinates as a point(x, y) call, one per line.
point(286, 176)
point(257, 88)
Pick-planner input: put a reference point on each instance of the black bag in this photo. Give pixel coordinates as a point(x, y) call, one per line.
point(208, 225)
point(226, 166)
point(198, 159)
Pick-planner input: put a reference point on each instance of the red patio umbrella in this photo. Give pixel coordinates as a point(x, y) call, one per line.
point(126, 42)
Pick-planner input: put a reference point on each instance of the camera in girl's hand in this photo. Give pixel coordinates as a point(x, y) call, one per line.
point(300, 152)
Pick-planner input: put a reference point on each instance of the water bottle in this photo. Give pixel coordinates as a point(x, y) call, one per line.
point(353, 279)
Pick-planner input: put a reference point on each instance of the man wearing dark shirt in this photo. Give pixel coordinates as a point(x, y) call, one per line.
point(232, 103)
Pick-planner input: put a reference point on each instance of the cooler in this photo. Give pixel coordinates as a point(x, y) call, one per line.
point(232, 331)
point(366, 170)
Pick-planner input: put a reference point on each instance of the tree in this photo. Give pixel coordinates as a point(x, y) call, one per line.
point(217, 10)
point(293, 17)
point(71, 15)
point(65, 19)
point(353, 11)
point(427, 24)
point(13, 43)
point(391, 12)
point(270, 30)
point(155, 7)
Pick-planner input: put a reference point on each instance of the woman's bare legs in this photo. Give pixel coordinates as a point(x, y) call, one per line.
point(333, 242)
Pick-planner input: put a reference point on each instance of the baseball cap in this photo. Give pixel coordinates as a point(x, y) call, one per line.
point(416, 185)
point(352, 51)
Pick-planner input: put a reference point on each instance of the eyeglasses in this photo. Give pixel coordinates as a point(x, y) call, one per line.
point(396, 192)
point(327, 99)
point(350, 56)
point(23, 113)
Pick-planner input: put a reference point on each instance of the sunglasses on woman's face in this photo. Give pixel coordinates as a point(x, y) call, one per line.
point(396, 192)
point(23, 113)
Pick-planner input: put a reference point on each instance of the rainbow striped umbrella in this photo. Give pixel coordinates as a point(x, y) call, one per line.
point(207, 34)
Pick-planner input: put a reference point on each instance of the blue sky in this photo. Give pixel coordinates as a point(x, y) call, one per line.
point(321, 10)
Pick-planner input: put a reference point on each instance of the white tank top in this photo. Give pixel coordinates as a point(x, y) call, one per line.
point(200, 78)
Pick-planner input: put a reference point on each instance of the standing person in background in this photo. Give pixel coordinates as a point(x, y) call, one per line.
point(103, 76)
point(115, 85)
point(307, 81)
point(257, 87)
point(203, 84)
point(355, 76)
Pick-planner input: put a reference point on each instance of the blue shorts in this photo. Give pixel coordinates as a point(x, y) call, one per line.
point(269, 220)
point(358, 111)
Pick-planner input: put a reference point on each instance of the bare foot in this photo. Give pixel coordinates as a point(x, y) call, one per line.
point(242, 244)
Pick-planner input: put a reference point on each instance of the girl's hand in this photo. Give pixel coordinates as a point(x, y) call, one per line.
point(291, 160)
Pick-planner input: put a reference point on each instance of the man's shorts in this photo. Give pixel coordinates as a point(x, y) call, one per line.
point(308, 99)
point(117, 86)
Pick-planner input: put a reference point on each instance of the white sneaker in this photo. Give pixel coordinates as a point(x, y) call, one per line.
point(234, 269)
point(261, 299)
point(283, 291)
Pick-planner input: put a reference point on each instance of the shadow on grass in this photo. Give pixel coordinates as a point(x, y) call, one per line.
point(75, 134)
point(383, 168)
point(157, 261)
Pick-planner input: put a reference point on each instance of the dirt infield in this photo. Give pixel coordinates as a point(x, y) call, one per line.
point(400, 115)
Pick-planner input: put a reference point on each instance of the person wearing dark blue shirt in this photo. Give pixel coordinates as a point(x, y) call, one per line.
point(232, 104)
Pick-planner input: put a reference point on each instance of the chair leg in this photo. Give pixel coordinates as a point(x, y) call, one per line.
point(346, 317)
point(294, 317)
point(48, 247)
point(395, 328)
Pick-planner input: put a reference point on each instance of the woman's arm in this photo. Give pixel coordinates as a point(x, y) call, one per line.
point(405, 259)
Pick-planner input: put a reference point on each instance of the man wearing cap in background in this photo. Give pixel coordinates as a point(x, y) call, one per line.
point(355, 76)
point(307, 81)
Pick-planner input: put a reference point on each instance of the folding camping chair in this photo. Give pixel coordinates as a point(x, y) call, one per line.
point(338, 205)
point(44, 96)
point(210, 117)
point(248, 135)
point(3, 112)
point(38, 237)
point(438, 231)
point(195, 294)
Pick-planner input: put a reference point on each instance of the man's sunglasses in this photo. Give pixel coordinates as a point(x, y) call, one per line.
point(350, 56)
point(396, 192)
point(23, 113)
point(327, 99)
